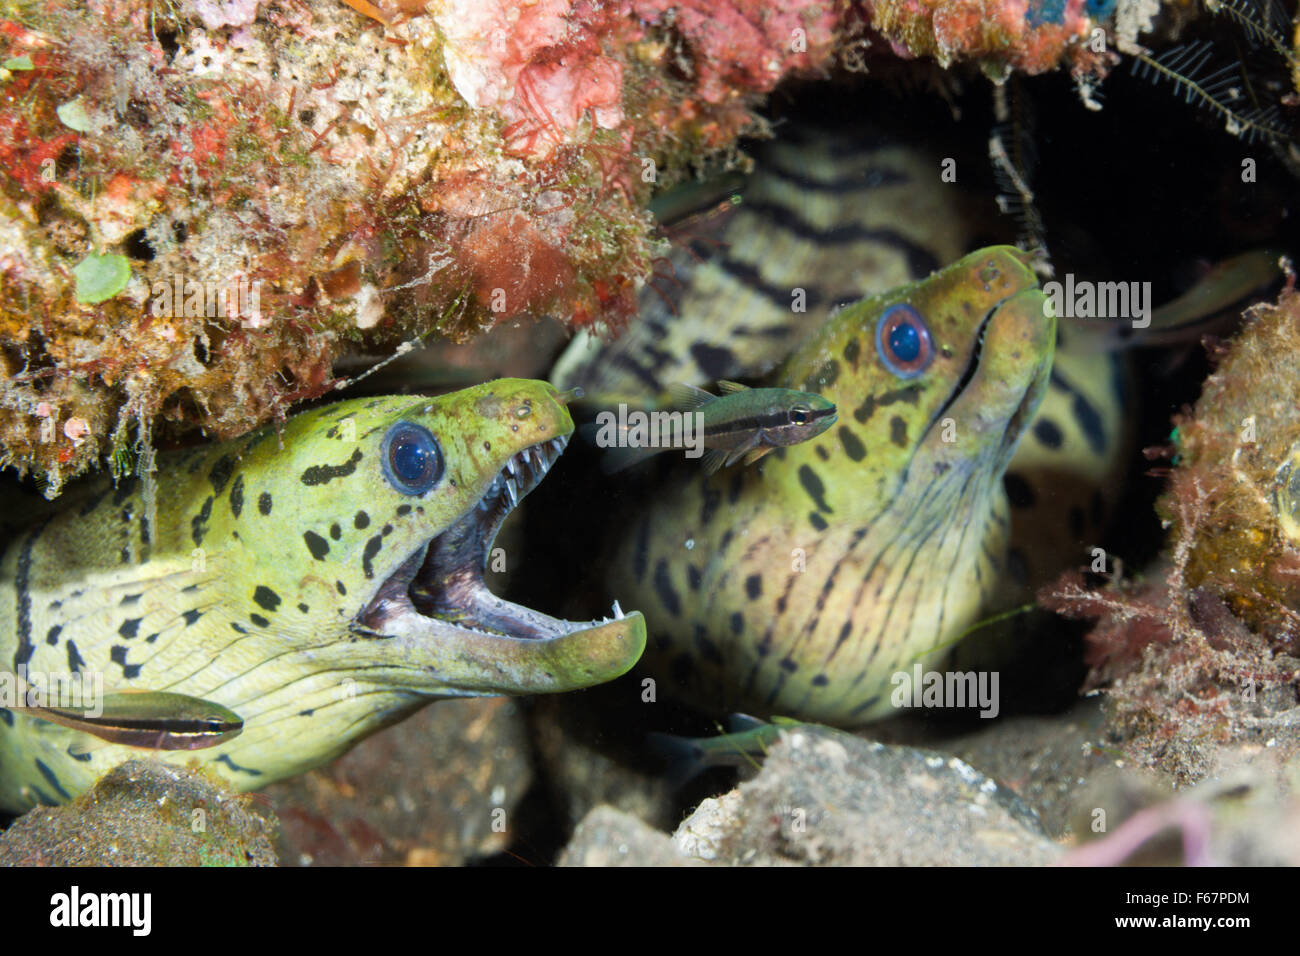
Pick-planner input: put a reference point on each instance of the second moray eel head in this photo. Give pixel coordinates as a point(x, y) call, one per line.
point(814, 577)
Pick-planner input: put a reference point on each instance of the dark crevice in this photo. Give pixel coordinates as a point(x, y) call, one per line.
point(137, 246)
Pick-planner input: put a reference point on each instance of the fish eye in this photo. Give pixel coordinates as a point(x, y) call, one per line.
point(800, 414)
point(903, 341)
point(412, 459)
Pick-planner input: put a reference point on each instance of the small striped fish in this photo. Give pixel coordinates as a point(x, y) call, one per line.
point(741, 424)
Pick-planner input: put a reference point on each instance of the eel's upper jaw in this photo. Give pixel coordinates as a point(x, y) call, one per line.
point(471, 641)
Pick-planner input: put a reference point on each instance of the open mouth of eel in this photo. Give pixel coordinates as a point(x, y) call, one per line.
point(443, 581)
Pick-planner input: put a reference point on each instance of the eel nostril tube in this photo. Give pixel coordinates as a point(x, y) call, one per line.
point(570, 395)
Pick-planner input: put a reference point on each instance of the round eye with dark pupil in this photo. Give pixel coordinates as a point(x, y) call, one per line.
point(799, 416)
point(412, 458)
point(903, 341)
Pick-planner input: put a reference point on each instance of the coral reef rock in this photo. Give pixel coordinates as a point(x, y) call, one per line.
point(1200, 656)
point(1045, 759)
point(145, 813)
point(610, 837)
point(828, 798)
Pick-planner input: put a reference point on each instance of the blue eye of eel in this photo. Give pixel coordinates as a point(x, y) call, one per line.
point(903, 341)
point(412, 459)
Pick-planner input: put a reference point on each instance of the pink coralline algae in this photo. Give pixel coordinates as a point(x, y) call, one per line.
point(553, 97)
point(545, 65)
point(226, 13)
point(745, 46)
point(489, 43)
point(539, 64)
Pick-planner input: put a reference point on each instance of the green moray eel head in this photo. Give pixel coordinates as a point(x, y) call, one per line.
point(942, 374)
point(396, 503)
point(317, 581)
point(838, 563)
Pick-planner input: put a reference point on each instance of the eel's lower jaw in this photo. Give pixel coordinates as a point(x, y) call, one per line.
point(469, 640)
point(1020, 419)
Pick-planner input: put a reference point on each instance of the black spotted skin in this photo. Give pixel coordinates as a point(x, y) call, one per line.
point(248, 591)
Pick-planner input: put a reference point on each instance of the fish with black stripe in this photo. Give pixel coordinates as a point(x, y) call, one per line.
point(742, 424)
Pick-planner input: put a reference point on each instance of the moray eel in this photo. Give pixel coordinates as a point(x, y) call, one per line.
point(872, 511)
point(322, 581)
point(801, 585)
point(828, 218)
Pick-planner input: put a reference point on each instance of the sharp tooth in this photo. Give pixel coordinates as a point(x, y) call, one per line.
point(618, 612)
point(512, 492)
point(510, 466)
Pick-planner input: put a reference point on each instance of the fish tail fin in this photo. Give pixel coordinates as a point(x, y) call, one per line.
point(713, 459)
point(682, 756)
point(621, 458)
point(739, 723)
point(616, 458)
